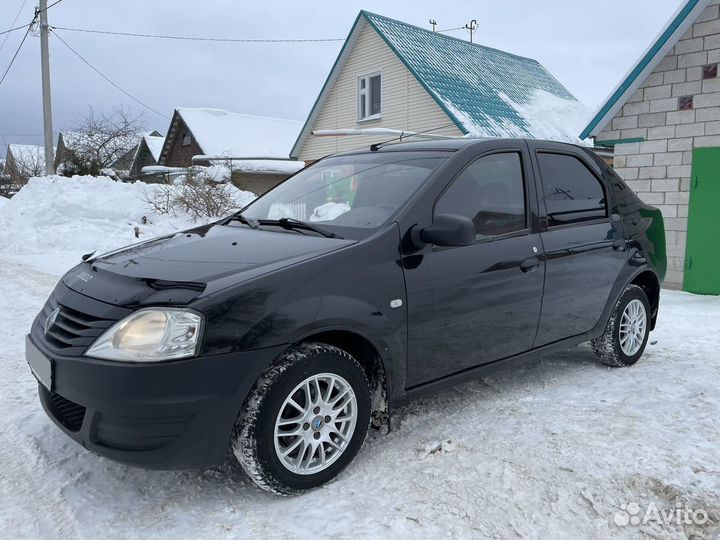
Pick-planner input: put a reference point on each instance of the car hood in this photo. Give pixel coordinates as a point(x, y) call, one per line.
point(203, 259)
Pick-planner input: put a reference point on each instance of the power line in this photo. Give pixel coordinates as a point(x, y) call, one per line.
point(96, 70)
point(12, 61)
point(51, 5)
point(190, 38)
point(14, 29)
point(7, 34)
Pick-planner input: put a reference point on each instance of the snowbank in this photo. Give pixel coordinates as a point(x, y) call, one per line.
point(3, 201)
point(53, 220)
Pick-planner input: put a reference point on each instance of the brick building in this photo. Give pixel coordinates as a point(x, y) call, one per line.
point(663, 121)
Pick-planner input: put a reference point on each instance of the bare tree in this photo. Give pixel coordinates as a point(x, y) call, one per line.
point(26, 161)
point(101, 140)
point(194, 193)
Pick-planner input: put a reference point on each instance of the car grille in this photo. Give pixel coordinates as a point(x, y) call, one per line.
point(72, 331)
point(67, 412)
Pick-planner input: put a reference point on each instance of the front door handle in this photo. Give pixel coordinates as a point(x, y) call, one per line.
point(529, 264)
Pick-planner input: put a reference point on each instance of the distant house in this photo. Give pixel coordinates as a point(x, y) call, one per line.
point(115, 153)
point(24, 161)
point(663, 120)
point(397, 76)
point(147, 154)
point(233, 136)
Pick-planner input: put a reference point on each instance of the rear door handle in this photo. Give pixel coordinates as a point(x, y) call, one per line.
point(529, 264)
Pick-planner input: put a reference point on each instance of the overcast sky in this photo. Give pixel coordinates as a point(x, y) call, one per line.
point(588, 46)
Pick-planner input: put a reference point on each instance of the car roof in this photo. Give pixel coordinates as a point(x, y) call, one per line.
point(447, 145)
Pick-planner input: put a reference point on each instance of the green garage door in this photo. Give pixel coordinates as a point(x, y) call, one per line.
point(702, 255)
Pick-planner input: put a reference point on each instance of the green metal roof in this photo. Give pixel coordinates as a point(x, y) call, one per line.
point(469, 80)
point(673, 31)
point(484, 91)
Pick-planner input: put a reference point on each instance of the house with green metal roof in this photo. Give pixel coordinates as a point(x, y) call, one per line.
point(391, 75)
point(663, 121)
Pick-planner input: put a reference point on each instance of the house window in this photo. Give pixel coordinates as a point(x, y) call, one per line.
point(187, 139)
point(710, 71)
point(370, 97)
point(685, 103)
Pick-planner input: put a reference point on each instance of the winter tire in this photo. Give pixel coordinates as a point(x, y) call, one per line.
point(304, 421)
point(627, 330)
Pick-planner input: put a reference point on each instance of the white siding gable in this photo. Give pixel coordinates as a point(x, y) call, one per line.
point(405, 103)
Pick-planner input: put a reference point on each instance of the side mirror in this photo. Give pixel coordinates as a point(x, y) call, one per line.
point(449, 230)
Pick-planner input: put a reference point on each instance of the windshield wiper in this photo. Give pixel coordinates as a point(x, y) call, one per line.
point(250, 222)
point(292, 223)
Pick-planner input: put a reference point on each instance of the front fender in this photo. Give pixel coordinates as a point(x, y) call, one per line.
point(384, 327)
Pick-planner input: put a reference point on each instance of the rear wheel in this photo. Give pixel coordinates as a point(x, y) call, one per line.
point(627, 330)
point(304, 421)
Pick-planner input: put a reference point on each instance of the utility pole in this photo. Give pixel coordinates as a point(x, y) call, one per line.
point(47, 106)
point(433, 22)
point(472, 27)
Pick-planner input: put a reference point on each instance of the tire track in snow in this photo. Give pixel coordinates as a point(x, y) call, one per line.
point(25, 429)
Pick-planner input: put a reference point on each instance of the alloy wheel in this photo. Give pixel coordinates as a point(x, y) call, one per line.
point(315, 424)
point(633, 325)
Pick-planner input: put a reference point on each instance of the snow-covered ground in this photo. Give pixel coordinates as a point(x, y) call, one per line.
point(549, 450)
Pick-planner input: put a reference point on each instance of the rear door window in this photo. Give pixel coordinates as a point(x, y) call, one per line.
point(571, 191)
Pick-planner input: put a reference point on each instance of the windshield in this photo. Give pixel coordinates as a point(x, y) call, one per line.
point(349, 195)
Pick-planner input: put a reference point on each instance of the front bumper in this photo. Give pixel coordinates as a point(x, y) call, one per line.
point(165, 415)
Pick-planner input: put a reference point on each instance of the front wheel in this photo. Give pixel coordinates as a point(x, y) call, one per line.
point(627, 330)
point(304, 421)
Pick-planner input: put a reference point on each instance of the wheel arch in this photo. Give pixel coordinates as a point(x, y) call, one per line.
point(367, 354)
point(649, 282)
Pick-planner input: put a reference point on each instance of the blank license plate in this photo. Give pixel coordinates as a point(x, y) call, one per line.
point(40, 365)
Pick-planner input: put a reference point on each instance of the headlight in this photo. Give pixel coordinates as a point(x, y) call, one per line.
point(150, 335)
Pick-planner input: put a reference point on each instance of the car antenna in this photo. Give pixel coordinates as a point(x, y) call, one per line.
point(377, 146)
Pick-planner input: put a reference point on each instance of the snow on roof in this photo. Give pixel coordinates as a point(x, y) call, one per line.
point(27, 155)
point(545, 116)
point(492, 93)
point(155, 145)
point(220, 132)
point(267, 166)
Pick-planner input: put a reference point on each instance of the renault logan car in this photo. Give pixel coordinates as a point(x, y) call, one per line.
point(366, 279)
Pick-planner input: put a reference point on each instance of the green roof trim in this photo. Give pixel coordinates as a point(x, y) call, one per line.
point(641, 66)
point(613, 142)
